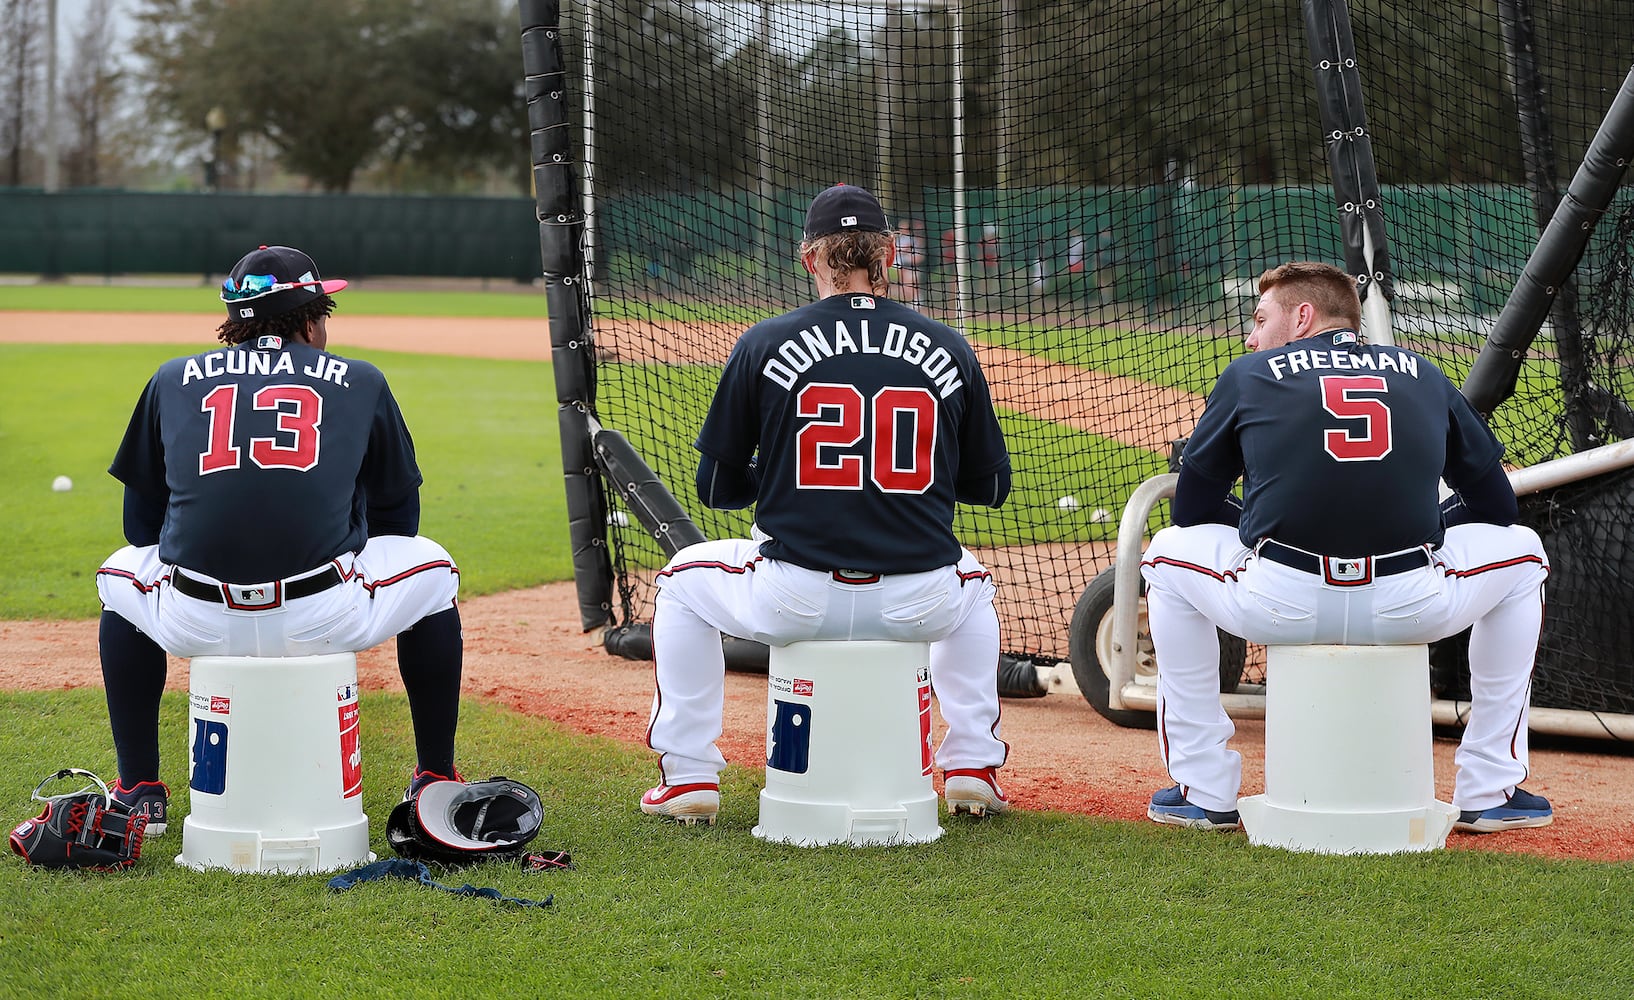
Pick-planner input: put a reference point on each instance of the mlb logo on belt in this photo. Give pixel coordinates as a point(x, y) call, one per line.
point(1339, 571)
point(256, 597)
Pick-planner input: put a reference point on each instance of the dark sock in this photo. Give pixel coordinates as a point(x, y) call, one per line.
point(133, 674)
point(430, 656)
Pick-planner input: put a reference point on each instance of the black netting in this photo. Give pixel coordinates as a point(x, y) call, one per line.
point(1094, 189)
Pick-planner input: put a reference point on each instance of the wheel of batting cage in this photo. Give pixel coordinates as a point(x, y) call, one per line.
point(1090, 648)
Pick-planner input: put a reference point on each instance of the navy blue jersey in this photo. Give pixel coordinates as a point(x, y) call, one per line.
point(268, 462)
point(867, 417)
point(1340, 444)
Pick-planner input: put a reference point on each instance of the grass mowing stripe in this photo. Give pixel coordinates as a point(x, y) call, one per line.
point(506, 300)
point(1029, 905)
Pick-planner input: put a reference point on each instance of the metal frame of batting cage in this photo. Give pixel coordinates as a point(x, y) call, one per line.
point(1126, 691)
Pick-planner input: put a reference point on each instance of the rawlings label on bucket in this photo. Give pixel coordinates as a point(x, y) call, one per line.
point(351, 753)
point(924, 720)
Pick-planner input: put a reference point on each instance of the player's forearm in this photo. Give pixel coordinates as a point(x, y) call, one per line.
point(400, 518)
point(144, 516)
point(1200, 499)
point(1489, 499)
point(725, 488)
point(986, 491)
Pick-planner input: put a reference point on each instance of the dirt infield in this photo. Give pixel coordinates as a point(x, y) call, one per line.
point(525, 650)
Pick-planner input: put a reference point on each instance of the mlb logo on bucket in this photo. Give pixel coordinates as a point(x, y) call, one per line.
point(802, 687)
point(209, 757)
point(788, 737)
point(346, 692)
point(220, 705)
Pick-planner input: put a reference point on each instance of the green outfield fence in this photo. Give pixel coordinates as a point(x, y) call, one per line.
point(108, 232)
point(132, 232)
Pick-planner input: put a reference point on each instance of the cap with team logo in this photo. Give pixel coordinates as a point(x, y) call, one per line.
point(269, 281)
point(844, 208)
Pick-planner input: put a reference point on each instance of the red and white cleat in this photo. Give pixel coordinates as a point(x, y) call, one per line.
point(688, 804)
point(973, 790)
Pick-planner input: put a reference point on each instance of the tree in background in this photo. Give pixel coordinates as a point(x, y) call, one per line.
point(461, 108)
point(336, 85)
point(90, 101)
point(22, 56)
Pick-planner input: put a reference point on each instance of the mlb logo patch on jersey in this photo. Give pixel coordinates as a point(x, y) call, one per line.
point(862, 302)
point(1344, 337)
point(269, 343)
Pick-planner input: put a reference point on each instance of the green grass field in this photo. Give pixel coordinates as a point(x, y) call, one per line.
point(1030, 905)
point(201, 298)
point(484, 432)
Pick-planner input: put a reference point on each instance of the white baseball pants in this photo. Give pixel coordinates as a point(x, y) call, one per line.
point(1483, 575)
point(726, 586)
point(394, 582)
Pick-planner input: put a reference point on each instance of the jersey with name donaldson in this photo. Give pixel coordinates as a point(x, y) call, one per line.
point(1342, 444)
point(269, 458)
point(865, 414)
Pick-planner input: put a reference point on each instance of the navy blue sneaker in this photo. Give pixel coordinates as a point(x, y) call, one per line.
point(1170, 807)
point(1521, 811)
point(146, 798)
point(424, 778)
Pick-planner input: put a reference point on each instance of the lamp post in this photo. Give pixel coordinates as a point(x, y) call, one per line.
point(216, 121)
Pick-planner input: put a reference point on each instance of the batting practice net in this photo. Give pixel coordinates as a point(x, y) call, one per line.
point(1089, 192)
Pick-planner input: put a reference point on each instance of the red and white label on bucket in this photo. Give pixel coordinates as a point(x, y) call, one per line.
point(351, 752)
point(802, 687)
point(925, 756)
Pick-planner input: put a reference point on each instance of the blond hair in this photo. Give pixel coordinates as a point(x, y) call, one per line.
point(847, 252)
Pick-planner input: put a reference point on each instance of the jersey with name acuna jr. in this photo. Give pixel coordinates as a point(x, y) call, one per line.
point(1342, 442)
point(867, 417)
point(269, 461)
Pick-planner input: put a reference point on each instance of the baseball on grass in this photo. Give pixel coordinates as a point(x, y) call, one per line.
point(61, 484)
point(1067, 502)
point(618, 519)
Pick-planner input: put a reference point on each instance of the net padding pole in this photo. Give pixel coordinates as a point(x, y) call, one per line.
point(565, 270)
point(1492, 378)
point(1350, 161)
point(1538, 159)
point(963, 292)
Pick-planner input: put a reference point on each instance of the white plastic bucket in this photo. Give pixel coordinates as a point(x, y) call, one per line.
point(848, 745)
point(276, 779)
point(1349, 765)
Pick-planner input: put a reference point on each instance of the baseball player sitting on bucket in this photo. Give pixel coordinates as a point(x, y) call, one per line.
point(870, 421)
point(1340, 538)
point(272, 505)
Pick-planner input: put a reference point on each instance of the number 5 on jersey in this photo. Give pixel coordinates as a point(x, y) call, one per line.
point(1368, 442)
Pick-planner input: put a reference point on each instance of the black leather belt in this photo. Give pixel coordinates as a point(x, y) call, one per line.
point(1310, 562)
point(306, 586)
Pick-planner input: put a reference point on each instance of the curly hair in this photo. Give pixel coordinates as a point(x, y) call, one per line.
point(290, 325)
point(845, 252)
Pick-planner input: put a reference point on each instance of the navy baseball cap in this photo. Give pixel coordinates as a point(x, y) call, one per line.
point(844, 208)
point(269, 281)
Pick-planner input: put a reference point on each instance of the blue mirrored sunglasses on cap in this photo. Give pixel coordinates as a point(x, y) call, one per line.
point(256, 285)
